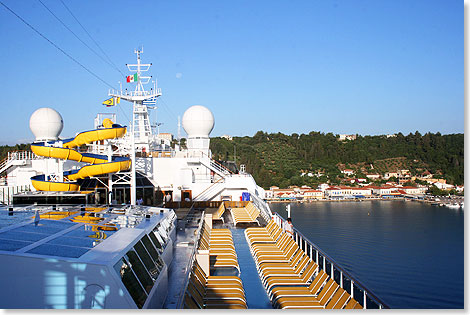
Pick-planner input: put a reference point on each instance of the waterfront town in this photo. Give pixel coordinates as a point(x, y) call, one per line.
point(400, 185)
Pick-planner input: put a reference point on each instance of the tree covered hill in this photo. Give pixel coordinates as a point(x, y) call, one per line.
point(278, 159)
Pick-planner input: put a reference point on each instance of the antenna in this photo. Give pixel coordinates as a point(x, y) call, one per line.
point(179, 129)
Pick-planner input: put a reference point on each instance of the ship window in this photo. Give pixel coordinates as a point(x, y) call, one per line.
point(153, 252)
point(159, 238)
point(130, 282)
point(155, 242)
point(140, 270)
point(164, 223)
point(147, 260)
point(162, 232)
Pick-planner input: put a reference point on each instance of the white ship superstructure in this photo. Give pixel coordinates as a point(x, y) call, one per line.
point(173, 173)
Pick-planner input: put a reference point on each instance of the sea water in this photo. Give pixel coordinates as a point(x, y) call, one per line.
point(410, 254)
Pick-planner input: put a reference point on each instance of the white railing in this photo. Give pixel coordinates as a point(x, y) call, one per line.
point(210, 191)
point(16, 156)
point(150, 93)
point(345, 280)
point(262, 205)
point(7, 192)
point(215, 166)
point(22, 155)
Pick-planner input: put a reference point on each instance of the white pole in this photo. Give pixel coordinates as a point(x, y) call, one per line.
point(133, 181)
point(288, 210)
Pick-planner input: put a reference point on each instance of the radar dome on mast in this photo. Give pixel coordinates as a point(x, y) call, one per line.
point(46, 124)
point(198, 123)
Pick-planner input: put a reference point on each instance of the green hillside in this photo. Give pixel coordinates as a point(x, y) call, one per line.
point(278, 159)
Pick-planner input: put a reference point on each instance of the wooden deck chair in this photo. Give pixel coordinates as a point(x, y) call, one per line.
point(353, 304)
point(303, 272)
point(288, 289)
point(280, 272)
point(321, 300)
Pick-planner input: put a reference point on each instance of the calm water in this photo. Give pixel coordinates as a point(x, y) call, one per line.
point(409, 254)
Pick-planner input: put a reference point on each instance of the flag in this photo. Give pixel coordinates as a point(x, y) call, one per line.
point(150, 101)
point(112, 101)
point(132, 78)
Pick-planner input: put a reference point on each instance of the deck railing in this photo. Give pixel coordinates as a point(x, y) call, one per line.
point(189, 266)
point(263, 206)
point(346, 281)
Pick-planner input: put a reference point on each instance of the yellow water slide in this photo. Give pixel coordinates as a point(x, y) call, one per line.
point(99, 164)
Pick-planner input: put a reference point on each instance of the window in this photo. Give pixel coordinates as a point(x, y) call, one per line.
point(139, 269)
point(156, 242)
point(131, 283)
point(162, 232)
point(153, 252)
point(152, 269)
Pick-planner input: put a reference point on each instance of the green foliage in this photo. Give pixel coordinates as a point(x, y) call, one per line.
point(278, 159)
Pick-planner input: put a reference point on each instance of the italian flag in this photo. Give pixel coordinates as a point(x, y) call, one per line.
point(132, 78)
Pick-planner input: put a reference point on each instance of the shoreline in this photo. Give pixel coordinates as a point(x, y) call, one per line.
point(432, 202)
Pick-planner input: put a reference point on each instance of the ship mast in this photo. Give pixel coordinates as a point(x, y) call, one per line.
point(142, 100)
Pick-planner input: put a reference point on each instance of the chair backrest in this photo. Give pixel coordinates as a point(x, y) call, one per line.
point(297, 257)
point(309, 271)
point(353, 304)
point(189, 302)
point(287, 243)
point(275, 234)
point(270, 225)
point(291, 250)
point(220, 211)
point(342, 301)
point(335, 298)
point(301, 265)
point(327, 292)
point(318, 282)
point(274, 228)
point(195, 294)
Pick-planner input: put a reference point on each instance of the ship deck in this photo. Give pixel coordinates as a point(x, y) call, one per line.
point(240, 259)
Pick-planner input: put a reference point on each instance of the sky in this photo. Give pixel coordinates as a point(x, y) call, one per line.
point(364, 66)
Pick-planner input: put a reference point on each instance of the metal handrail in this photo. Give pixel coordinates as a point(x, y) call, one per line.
point(190, 263)
point(300, 238)
point(215, 184)
point(217, 166)
point(265, 211)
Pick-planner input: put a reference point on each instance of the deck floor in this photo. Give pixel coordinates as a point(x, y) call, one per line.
point(256, 296)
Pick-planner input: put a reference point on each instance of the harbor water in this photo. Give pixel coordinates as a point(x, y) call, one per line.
point(408, 253)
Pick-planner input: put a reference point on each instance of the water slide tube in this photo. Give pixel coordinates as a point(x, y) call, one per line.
point(98, 163)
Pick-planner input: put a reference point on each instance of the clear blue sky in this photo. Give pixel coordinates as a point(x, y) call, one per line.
point(367, 67)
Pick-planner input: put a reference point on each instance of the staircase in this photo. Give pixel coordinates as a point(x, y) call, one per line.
point(215, 166)
point(211, 191)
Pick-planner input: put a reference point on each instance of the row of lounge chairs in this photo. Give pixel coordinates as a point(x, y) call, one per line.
point(218, 292)
point(206, 291)
point(247, 214)
point(291, 279)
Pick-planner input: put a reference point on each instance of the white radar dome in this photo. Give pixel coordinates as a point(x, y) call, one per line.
point(198, 121)
point(46, 124)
